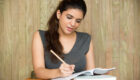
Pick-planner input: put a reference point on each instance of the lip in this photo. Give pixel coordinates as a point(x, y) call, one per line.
point(69, 29)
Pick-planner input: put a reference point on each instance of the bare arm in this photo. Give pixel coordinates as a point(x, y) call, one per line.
point(39, 63)
point(90, 58)
point(38, 59)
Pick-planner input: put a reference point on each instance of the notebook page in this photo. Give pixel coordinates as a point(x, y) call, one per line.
point(102, 71)
point(99, 77)
point(88, 72)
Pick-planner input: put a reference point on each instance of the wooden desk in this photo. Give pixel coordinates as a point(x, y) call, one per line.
point(32, 79)
point(35, 79)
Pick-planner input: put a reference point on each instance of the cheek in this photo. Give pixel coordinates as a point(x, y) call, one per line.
point(63, 22)
point(77, 25)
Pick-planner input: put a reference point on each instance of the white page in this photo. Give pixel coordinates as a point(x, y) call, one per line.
point(87, 72)
point(102, 71)
point(97, 77)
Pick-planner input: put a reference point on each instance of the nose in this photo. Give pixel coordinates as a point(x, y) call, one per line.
point(73, 23)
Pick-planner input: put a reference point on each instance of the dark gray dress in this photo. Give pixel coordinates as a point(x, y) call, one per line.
point(76, 56)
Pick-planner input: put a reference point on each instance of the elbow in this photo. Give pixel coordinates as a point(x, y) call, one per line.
point(38, 73)
point(43, 73)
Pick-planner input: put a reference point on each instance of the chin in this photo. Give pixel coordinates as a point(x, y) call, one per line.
point(69, 32)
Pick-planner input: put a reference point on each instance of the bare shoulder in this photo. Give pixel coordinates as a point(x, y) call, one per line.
point(36, 34)
point(36, 39)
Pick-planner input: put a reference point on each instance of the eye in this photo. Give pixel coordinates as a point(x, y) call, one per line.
point(78, 21)
point(69, 17)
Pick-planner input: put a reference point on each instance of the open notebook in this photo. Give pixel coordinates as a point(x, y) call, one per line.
point(87, 73)
point(97, 77)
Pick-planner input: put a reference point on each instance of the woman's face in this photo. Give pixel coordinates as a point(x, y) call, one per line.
point(69, 20)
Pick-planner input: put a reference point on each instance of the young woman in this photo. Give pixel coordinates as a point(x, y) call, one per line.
point(75, 48)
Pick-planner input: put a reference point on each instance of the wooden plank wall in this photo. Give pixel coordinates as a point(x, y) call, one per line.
point(113, 25)
point(19, 19)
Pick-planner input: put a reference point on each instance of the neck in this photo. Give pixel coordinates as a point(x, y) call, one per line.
point(63, 35)
point(68, 36)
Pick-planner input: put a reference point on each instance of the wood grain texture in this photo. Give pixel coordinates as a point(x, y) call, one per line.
point(112, 24)
point(85, 25)
point(95, 29)
point(126, 40)
point(47, 8)
point(20, 21)
point(2, 38)
point(136, 63)
point(6, 50)
point(116, 36)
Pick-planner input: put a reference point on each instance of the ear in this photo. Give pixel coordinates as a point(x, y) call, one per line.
point(58, 13)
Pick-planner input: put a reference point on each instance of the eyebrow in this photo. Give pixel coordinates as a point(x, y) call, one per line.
point(73, 16)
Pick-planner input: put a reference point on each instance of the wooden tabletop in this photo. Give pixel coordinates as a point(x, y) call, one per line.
point(35, 79)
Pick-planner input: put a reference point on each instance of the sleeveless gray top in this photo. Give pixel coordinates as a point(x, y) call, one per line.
point(76, 56)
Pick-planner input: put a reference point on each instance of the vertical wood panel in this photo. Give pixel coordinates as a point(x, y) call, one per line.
point(94, 6)
point(20, 20)
point(1, 38)
point(86, 23)
point(47, 8)
point(32, 24)
point(99, 33)
point(116, 37)
point(21, 35)
point(7, 65)
point(97, 18)
point(126, 40)
point(14, 33)
point(108, 33)
point(136, 65)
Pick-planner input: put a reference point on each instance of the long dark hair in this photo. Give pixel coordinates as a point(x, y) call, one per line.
point(52, 35)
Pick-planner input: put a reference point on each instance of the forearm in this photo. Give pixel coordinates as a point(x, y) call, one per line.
point(43, 73)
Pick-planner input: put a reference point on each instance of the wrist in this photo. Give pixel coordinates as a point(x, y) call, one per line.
point(58, 73)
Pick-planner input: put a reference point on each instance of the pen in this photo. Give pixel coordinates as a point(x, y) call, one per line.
point(57, 56)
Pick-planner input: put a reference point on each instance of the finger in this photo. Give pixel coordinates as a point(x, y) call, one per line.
point(73, 67)
point(64, 69)
point(66, 72)
point(67, 69)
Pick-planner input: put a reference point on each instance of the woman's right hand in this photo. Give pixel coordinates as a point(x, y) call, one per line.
point(66, 69)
